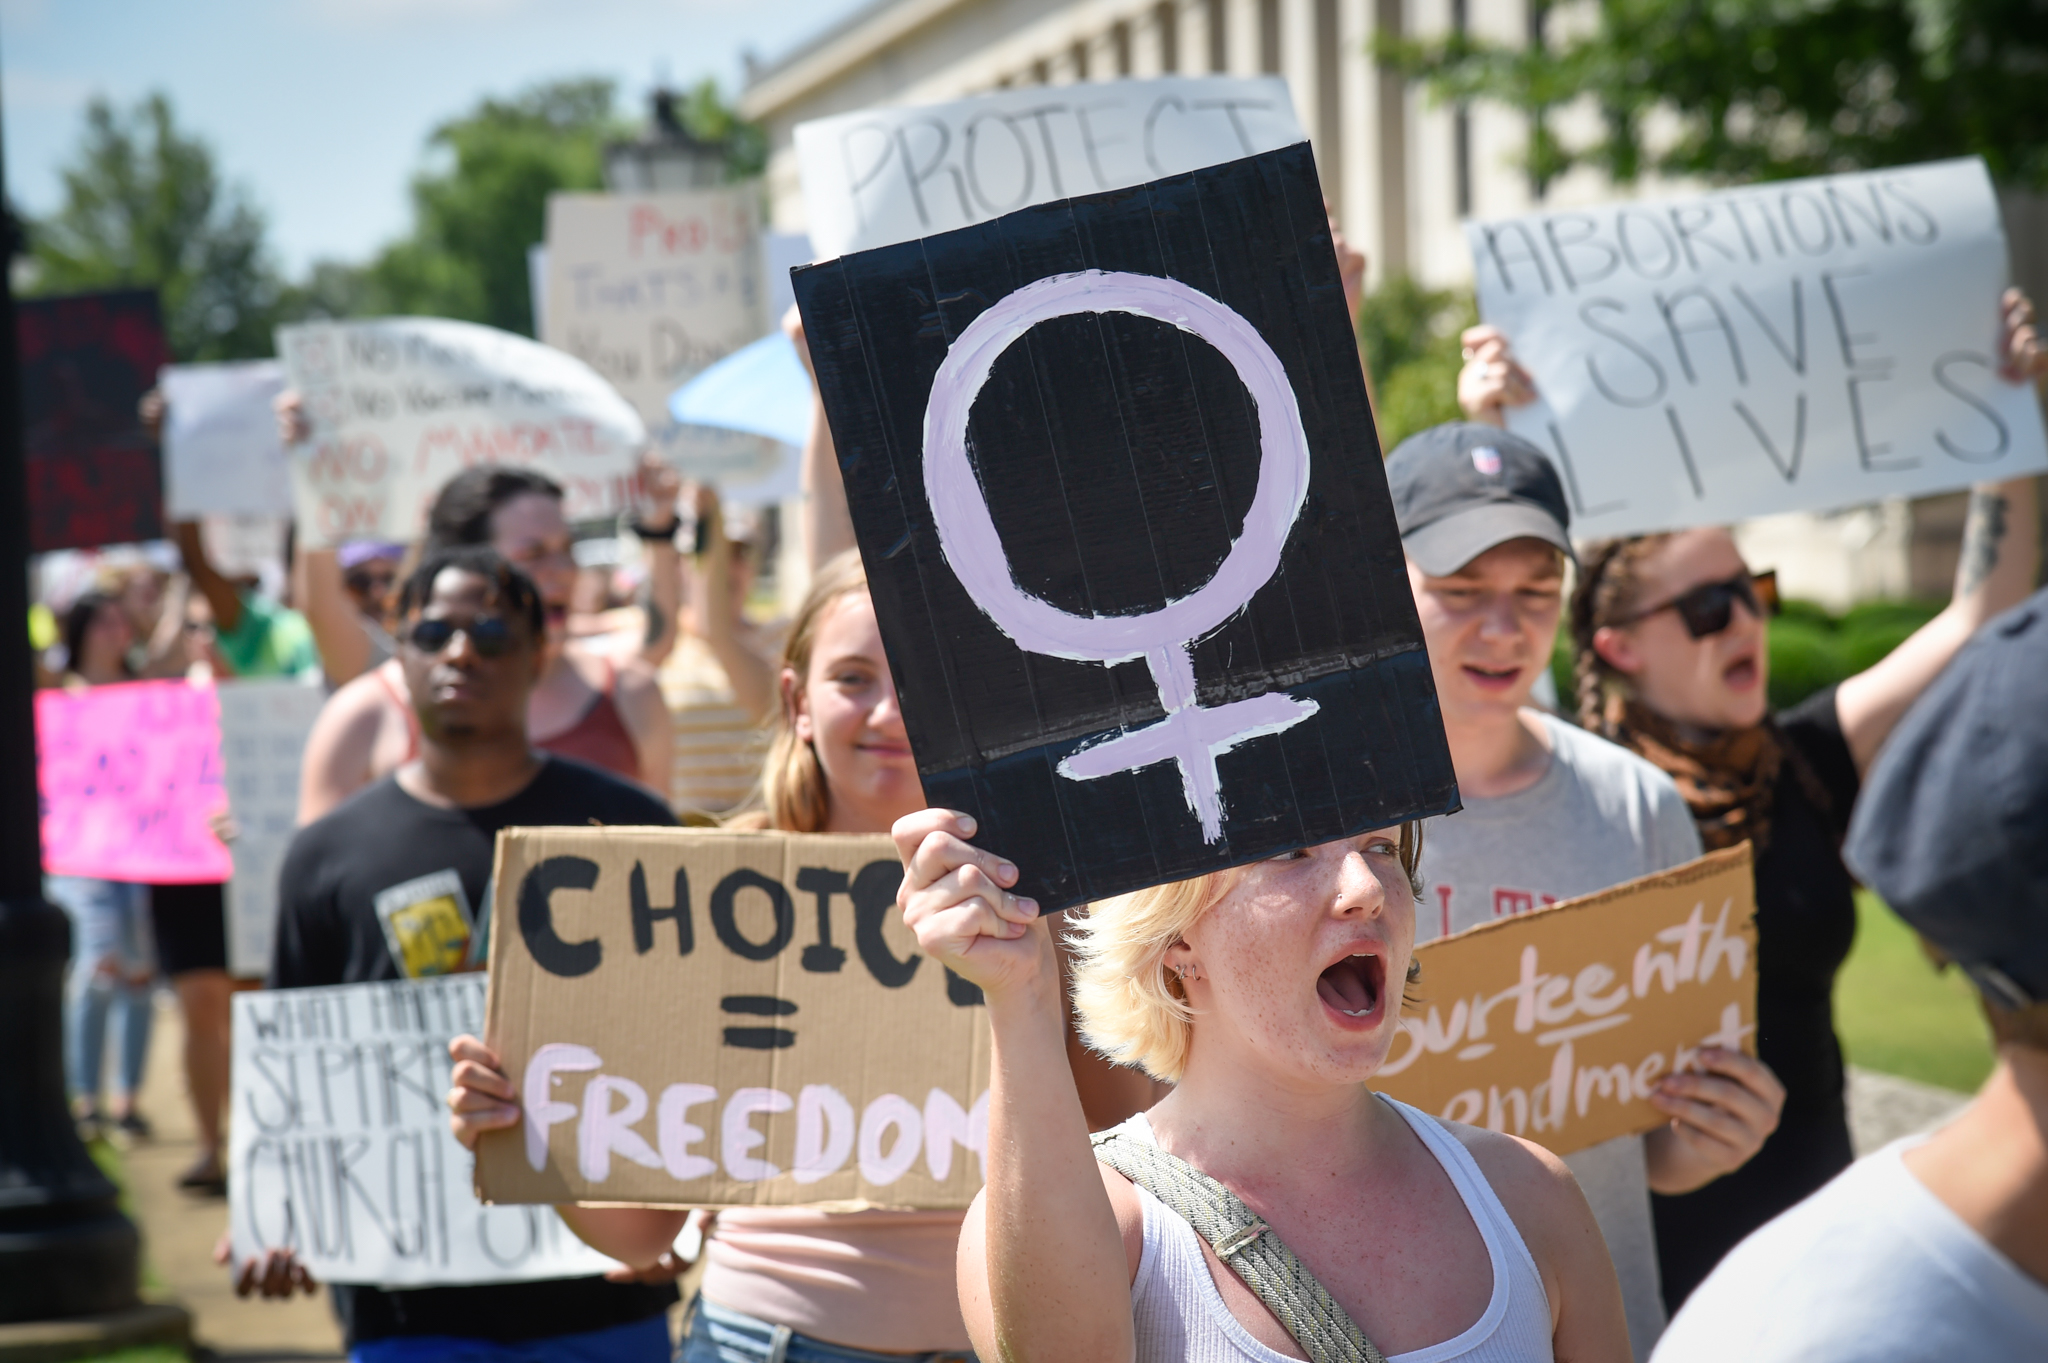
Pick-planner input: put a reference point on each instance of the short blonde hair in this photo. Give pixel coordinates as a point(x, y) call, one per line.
point(1127, 1005)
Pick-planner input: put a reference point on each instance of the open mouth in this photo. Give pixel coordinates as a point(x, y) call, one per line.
point(1492, 678)
point(1742, 673)
point(1353, 987)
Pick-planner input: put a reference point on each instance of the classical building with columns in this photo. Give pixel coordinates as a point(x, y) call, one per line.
point(1400, 170)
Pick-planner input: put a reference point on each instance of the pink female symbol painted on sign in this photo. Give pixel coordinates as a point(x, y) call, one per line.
point(1191, 734)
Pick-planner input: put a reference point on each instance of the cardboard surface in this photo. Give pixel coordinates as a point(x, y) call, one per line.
point(1794, 346)
point(263, 728)
point(886, 175)
point(399, 405)
point(128, 775)
point(1556, 1024)
point(94, 475)
point(652, 289)
point(1127, 530)
point(725, 1019)
point(222, 454)
point(340, 1147)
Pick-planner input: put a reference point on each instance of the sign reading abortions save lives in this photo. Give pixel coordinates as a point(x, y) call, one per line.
point(1557, 1024)
point(720, 1019)
point(650, 290)
point(341, 1151)
point(128, 774)
point(895, 174)
point(1127, 530)
point(1799, 345)
point(397, 406)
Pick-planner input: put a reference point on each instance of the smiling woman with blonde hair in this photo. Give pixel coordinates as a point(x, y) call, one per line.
point(1271, 1206)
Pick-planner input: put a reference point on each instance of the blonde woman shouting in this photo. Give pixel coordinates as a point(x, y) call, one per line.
point(1269, 994)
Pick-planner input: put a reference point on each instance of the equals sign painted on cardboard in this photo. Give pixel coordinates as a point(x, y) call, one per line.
point(760, 1006)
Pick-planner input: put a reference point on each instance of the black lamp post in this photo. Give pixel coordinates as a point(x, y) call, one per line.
point(664, 157)
point(65, 1248)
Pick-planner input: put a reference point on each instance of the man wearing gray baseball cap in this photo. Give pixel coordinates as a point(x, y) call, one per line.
point(1551, 812)
point(1935, 1247)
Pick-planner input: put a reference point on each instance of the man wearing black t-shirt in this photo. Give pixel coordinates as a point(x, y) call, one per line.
point(394, 885)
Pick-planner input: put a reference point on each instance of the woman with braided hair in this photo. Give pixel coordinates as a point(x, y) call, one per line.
point(1670, 636)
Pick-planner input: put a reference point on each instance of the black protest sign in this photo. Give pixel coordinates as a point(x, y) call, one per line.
point(704, 1018)
point(1117, 486)
point(94, 475)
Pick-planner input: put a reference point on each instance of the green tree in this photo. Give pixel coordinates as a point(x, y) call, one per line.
point(1410, 337)
point(145, 206)
point(1766, 89)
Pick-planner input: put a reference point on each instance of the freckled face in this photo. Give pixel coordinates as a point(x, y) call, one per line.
point(1298, 968)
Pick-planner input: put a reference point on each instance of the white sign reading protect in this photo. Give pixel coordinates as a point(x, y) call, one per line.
point(399, 405)
point(888, 175)
point(1794, 346)
point(652, 289)
point(341, 1150)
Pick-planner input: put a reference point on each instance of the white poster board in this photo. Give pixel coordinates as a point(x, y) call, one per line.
point(896, 174)
point(650, 290)
point(263, 728)
point(397, 406)
point(341, 1150)
point(1795, 346)
point(221, 451)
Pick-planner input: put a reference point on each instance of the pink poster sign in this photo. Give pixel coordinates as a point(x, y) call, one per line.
point(128, 776)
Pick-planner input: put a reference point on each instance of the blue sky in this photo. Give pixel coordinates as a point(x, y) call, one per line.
point(321, 108)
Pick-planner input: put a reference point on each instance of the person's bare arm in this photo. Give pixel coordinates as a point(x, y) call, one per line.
point(330, 612)
point(661, 485)
point(647, 719)
point(2000, 563)
point(339, 750)
point(1544, 1201)
point(166, 655)
point(752, 676)
point(1053, 1280)
point(828, 525)
point(218, 591)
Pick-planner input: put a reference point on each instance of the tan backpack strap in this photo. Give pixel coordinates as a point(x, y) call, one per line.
point(1251, 1248)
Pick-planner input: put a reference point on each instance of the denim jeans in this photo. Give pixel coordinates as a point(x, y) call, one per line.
point(717, 1335)
point(643, 1341)
point(109, 920)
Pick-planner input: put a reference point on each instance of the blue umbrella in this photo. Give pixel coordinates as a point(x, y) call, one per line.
point(761, 389)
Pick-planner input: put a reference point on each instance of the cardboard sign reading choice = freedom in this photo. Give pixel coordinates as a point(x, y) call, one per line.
point(725, 1019)
point(1557, 1024)
point(341, 1150)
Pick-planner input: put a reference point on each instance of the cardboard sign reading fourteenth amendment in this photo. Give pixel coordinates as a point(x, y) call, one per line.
point(725, 1019)
point(1557, 1024)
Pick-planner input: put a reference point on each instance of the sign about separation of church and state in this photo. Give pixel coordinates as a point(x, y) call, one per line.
point(896, 174)
point(340, 1149)
point(397, 406)
point(263, 728)
point(1114, 476)
point(1557, 1024)
point(650, 290)
point(726, 1019)
point(1794, 346)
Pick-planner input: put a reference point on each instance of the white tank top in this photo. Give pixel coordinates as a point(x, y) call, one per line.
point(1181, 1317)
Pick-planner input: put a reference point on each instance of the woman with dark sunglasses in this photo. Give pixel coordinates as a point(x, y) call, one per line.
point(1670, 632)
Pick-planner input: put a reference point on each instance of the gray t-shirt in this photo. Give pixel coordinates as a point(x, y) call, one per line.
point(1599, 815)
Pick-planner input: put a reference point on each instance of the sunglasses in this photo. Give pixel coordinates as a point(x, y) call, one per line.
point(489, 635)
point(1708, 608)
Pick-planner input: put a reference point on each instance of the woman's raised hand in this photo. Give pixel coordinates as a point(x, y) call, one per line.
point(956, 898)
point(482, 1098)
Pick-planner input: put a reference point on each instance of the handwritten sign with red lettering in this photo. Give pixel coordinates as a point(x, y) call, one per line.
point(128, 776)
point(652, 289)
point(399, 405)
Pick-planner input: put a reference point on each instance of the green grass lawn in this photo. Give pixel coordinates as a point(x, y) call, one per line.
point(1897, 1014)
